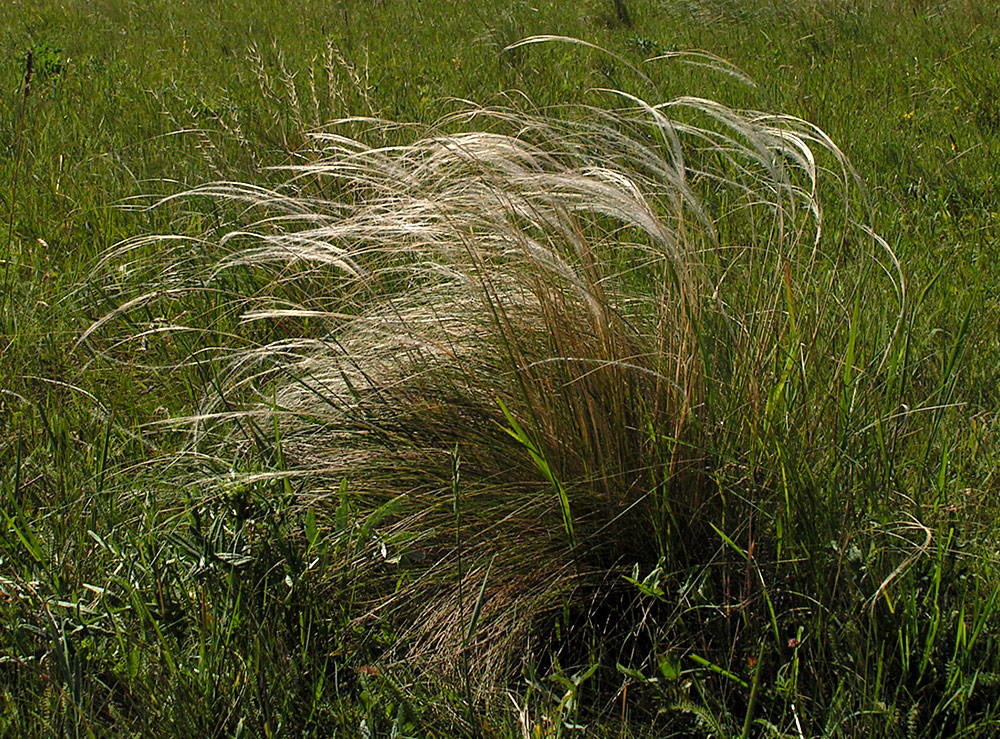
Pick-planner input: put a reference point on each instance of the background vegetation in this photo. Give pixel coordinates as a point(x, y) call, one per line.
point(139, 595)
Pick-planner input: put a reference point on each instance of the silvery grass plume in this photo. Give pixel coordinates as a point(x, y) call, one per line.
point(573, 334)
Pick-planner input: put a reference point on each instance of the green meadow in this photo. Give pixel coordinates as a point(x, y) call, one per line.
point(365, 371)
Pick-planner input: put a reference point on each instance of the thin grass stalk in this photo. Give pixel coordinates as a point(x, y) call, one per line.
point(18, 152)
point(466, 668)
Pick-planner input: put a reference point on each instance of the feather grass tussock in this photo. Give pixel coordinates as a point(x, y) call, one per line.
point(632, 325)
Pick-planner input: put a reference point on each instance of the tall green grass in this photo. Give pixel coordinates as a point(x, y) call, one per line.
point(629, 451)
point(674, 362)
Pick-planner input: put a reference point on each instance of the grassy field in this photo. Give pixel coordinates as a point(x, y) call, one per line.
point(557, 416)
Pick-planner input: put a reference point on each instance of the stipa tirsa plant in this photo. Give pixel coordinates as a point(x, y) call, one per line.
point(611, 314)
